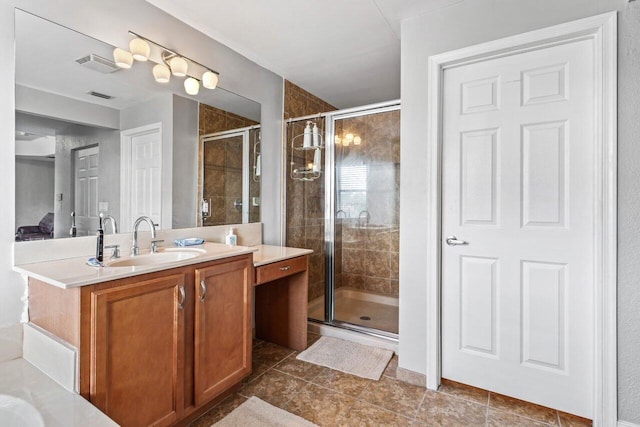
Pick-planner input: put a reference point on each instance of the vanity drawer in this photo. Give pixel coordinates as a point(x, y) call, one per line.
point(267, 273)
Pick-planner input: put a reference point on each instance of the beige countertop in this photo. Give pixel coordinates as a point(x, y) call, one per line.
point(74, 272)
point(266, 254)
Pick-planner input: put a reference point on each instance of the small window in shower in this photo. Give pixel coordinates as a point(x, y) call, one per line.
point(352, 194)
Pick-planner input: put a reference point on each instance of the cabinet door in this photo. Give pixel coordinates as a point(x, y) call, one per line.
point(137, 351)
point(222, 327)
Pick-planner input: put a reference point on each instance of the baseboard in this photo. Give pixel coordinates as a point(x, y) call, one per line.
point(411, 377)
point(54, 357)
point(627, 424)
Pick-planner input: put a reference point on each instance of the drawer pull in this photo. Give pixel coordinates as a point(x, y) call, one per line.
point(203, 286)
point(288, 267)
point(182, 297)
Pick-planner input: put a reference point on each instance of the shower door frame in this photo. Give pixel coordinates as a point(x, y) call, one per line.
point(329, 214)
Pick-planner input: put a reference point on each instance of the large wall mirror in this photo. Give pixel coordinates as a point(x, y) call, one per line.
point(92, 138)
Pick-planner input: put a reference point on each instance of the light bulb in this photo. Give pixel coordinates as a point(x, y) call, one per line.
point(122, 58)
point(178, 66)
point(349, 137)
point(210, 80)
point(139, 49)
point(191, 86)
point(346, 142)
point(161, 73)
point(357, 140)
point(310, 166)
point(337, 140)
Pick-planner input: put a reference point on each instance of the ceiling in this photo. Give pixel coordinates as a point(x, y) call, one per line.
point(345, 52)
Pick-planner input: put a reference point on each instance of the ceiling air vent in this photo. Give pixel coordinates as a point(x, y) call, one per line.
point(98, 63)
point(100, 95)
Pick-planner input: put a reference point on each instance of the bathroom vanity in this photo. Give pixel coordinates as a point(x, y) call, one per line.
point(160, 343)
point(281, 292)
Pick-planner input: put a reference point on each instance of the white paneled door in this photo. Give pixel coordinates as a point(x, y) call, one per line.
point(86, 163)
point(518, 202)
point(141, 185)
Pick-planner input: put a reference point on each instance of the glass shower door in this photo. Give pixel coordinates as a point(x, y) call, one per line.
point(225, 178)
point(366, 184)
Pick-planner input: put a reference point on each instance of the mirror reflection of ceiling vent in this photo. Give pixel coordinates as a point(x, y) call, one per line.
point(99, 95)
point(98, 63)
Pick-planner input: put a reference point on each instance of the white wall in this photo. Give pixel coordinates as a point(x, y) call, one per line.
point(185, 162)
point(34, 190)
point(472, 22)
point(110, 21)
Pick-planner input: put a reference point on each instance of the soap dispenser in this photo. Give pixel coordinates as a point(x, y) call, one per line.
point(231, 238)
point(306, 139)
point(315, 133)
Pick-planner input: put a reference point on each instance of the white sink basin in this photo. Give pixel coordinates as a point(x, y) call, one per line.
point(16, 412)
point(161, 257)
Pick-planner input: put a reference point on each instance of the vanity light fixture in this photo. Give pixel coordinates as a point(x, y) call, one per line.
point(210, 80)
point(140, 49)
point(161, 73)
point(347, 139)
point(179, 66)
point(168, 62)
point(122, 58)
point(191, 86)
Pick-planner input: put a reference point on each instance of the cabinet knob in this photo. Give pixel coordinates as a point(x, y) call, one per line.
point(288, 267)
point(203, 287)
point(182, 297)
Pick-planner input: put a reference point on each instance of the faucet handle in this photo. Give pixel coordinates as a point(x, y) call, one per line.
point(154, 245)
point(116, 251)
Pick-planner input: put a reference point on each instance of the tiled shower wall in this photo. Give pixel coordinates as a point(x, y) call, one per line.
point(222, 167)
point(305, 200)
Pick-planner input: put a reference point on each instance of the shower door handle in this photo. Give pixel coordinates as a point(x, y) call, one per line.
point(453, 241)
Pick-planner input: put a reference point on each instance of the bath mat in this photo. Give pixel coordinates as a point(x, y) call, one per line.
point(349, 357)
point(258, 413)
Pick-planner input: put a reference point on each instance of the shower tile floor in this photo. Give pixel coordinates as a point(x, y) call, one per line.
point(360, 308)
point(332, 398)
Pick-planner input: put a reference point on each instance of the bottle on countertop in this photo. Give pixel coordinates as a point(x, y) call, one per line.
point(73, 231)
point(100, 243)
point(231, 238)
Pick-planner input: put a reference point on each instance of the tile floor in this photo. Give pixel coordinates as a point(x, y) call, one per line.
point(331, 398)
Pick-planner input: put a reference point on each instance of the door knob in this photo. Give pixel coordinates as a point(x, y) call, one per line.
point(453, 241)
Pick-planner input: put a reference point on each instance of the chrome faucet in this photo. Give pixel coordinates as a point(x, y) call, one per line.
point(367, 218)
point(112, 221)
point(134, 243)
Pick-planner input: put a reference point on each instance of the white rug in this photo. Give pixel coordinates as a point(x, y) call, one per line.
point(349, 357)
point(258, 413)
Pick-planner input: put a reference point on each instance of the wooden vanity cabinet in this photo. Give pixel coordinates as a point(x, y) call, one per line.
point(137, 349)
point(222, 329)
point(155, 349)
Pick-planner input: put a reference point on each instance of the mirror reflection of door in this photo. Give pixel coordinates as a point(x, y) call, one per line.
point(224, 183)
point(86, 162)
point(141, 178)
